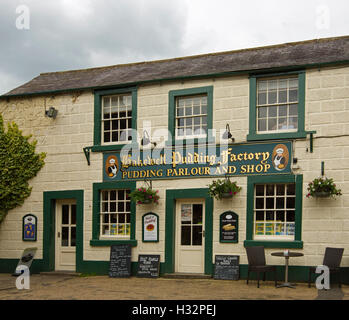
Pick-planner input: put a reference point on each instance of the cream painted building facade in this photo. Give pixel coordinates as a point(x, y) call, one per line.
point(317, 129)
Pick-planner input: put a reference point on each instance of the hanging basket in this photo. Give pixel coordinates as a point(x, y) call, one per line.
point(322, 194)
point(226, 195)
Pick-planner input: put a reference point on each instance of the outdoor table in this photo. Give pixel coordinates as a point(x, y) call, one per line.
point(290, 254)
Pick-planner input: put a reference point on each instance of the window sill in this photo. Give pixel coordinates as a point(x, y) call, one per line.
point(106, 243)
point(296, 244)
point(112, 147)
point(276, 136)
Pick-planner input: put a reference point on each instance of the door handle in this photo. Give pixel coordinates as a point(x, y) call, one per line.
point(203, 233)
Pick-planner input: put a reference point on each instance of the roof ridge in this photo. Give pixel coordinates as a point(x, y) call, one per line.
point(199, 55)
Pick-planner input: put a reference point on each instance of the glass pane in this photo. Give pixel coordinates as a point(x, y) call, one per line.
point(293, 83)
point(270, 203)
point(272, 112)
point(180, 122)
point(290, 216)
point(185, 235)
point(128, 206)
point(269, 216)
point(105, 218)
point(186, 211)
point(197, 110)
point(113, 195)
point(121, 194)
point(262, 98)
point(204, 109)
point(180, 112)
point(293, 123)
point(262, 125)
point(105, 195)
point(105, 207)
point(65, 213)
point(73, 214)
point(65, 236)
point(188, 111)
point(105, 230)
point(114, 136)
point(188, 122)
point(113, 218)
point(272, 124)
point(293, 95)
point(291, 189)
point(280, 189)
point(106, 136)
point(122, 218)
point(196, 101)
point(262, 112)
point(107, 125)
point(283, 84)
point(290, 203)
point(128, 218)
point(272, 95)
point(197, 236)
point(197, 214)
point(280, 215)
point(282, 123)
point(282, 96)
point(197, 120)
point(270, 189)
point(259, 189)
point(262, 85)
point(259, 228)
point(121, 206)
point(260, 216)
point(259, 203)
point(112, 206)
point(282, 111)
point(73, 237)
point(272, 84)
point(280, 203)
point(293, 109)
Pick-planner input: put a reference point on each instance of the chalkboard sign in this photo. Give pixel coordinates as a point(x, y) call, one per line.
point(229, 225)
point(226, 267)
point(148, 266)
point(120, 261)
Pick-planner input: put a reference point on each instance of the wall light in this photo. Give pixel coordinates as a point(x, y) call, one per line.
point(51, 113)
point(146, 139)
point(227, 135)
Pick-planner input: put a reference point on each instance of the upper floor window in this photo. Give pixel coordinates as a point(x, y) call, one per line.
point(115, 115)
point(191, 116)
point(116, 118)
point(277, 105)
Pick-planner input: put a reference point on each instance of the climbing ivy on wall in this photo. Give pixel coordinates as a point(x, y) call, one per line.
point(18, 164)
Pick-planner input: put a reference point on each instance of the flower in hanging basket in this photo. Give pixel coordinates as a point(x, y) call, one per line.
point(144, 196)
point(322, 188)
point(223, 188)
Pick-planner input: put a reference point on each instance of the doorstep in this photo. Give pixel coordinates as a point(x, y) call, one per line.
point(186, 276)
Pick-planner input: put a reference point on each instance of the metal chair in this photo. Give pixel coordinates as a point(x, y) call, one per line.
point(332, 259)
point(256, 263)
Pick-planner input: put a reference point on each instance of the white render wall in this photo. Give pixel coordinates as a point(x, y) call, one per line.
point(325, 222)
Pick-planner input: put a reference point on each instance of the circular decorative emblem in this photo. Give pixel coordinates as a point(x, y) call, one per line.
point(280, 157)
point(111, 166)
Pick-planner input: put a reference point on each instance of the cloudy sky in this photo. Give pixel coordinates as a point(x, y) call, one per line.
point(53, 35)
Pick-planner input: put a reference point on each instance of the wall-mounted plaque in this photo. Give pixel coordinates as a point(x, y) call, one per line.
point(29, 227)
point(150, 227)
point(148, 266)
point(229, 227)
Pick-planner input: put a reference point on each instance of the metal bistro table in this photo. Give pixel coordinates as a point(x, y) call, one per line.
point(287, 257)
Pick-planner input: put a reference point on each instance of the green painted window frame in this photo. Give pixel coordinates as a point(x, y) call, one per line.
point(301, 133)
point(172, 95)
point(97, 187)
point(97, 134)
point(251, 181)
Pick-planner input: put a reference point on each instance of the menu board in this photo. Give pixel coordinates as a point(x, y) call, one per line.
point(148, 266)
point(226, 267)
point(150, 227)
point(120, 261)
point(229, 225)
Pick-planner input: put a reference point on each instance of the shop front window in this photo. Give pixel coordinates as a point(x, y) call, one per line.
point(115, 214)
point(274, 211)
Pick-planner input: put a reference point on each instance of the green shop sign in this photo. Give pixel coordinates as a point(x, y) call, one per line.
point(198, 161)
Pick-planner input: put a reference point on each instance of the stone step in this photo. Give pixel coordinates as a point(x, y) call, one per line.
point(186, 276)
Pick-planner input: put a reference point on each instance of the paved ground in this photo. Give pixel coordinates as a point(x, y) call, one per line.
point(66, 287)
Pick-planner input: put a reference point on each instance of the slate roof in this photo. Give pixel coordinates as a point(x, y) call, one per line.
point(296, 54)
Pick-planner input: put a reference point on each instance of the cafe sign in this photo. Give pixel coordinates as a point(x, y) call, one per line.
point(198, 161)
